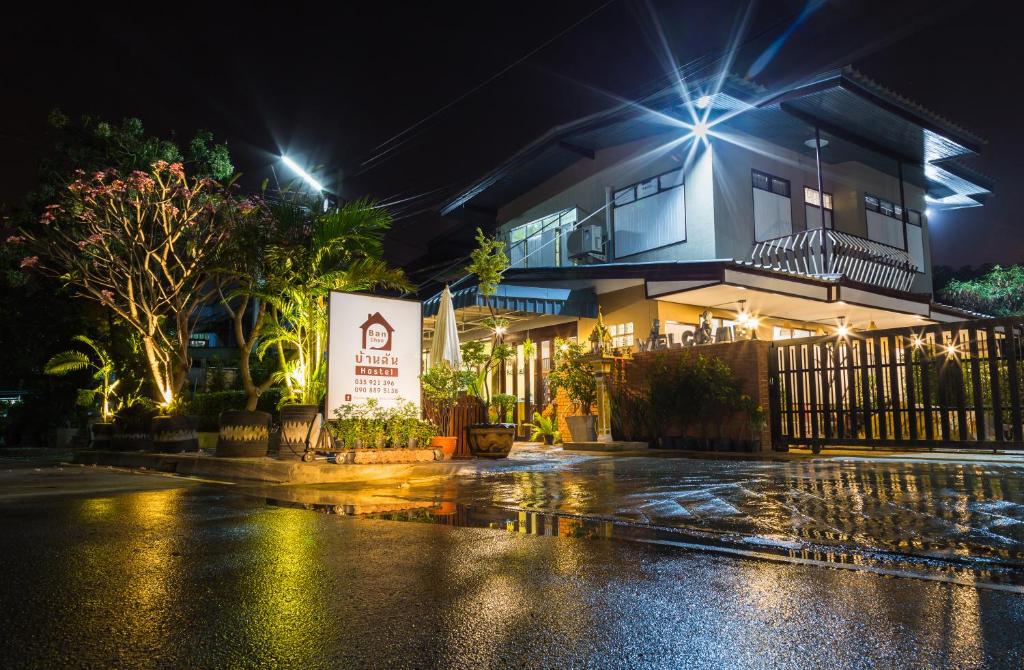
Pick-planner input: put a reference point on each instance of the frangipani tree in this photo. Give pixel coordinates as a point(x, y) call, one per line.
point(139, 245)
point(338, 250)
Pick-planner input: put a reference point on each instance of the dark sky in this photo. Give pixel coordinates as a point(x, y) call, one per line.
point(330, 85)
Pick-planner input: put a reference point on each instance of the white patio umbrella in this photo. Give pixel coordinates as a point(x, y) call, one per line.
point(445, 345)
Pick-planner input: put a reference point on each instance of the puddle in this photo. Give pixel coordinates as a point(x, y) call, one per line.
point(975, 572)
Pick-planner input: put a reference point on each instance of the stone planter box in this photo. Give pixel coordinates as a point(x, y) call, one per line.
point(376, 456)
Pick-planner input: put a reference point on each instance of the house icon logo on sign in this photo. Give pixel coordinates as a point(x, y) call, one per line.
point(377, 332)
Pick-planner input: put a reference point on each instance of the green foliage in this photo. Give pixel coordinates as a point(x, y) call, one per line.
point(502, 404)
point(682, 392)
point(338, 250)
point(105, 392)
point(1000, 292)
point(366, 425)
point(572, 373)
point(441, 385)
point(136, 417)
point(544, 429)
point(207, 407)
point(488, 263)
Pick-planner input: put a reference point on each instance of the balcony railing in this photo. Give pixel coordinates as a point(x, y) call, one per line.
point(823, 252)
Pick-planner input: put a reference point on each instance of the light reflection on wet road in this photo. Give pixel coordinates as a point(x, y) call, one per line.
point(205, 577)
point(967, 512)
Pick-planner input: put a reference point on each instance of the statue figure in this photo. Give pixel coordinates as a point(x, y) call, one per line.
point(655, 337)
point(704, 329)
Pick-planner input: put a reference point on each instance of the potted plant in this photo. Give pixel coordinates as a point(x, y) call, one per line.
point(442, 385)
point(571, 373)
point(103, 395)
point(132, 424)
point(544, 429)
point(173, 431)
point(488, 263)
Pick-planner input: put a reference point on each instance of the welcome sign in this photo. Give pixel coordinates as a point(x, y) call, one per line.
point(373, 350)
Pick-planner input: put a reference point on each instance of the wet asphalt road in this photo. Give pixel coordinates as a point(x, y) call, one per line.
point(203, 577)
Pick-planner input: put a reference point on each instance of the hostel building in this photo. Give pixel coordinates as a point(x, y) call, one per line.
point(762, 214)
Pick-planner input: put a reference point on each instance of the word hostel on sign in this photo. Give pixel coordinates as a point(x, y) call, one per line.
point(373, 350)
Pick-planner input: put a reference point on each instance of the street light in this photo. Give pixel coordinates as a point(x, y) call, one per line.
point(308, 178)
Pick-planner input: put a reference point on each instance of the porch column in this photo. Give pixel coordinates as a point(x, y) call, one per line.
point(821, 200)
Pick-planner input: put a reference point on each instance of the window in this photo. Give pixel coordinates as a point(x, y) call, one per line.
point(543, 242)
point(812, 211)
point(884, 224)
point(649, 214)
point(621, 334)
point(779, 333)
point(772, 210)
point(811, 197)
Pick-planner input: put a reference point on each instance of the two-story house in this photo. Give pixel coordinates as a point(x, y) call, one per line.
point(774, 214)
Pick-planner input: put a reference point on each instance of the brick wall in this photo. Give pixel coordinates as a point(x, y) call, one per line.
point(564, 407)
point(747, 359)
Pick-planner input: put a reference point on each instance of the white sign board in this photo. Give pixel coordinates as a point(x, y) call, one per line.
point(373, 350)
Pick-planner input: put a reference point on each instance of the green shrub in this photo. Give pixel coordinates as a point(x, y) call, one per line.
point(208, 406)
point(369, 425)
point(136, 417)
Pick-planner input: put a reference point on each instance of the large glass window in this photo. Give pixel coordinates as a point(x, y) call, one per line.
point(773, 216)
point(649, 214)
point(885, 221)
point(543, 242)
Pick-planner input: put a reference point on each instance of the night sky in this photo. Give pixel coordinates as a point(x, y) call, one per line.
point(477, 81)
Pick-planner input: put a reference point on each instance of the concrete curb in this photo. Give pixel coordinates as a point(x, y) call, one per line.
point(264, 470)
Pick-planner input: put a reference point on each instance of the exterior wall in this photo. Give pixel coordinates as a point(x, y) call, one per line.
point(847, 182)
point(586, 183)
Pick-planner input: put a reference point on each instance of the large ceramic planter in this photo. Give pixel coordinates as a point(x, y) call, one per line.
point(490, 440)
point(174, 434)
point(243, 434)
point(582, 428)
point(297, 423)
point(447, 445)
point(127, 439)
point(100, 435)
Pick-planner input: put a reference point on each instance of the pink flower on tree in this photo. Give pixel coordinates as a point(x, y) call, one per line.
point(107, 295)
point(29, 262)
point(178, 170)
point(15, 239)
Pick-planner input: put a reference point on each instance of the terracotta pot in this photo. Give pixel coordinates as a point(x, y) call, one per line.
point(490, 440)
point(174, 434)
point(447, 445)
point(101, 433)
point(243, 434)
point(582, 428)
point(298, 422)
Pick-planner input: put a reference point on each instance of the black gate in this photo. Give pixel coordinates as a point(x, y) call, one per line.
point(944, 385)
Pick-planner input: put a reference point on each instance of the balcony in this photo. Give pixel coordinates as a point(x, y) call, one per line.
point(823, 252)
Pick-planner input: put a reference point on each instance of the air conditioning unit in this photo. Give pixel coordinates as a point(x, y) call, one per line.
point(587, 242)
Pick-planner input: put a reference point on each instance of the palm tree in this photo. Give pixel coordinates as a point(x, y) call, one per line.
point(341, 251)
point(74, 360)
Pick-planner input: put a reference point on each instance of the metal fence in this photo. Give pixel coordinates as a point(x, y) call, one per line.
point(947, 385)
